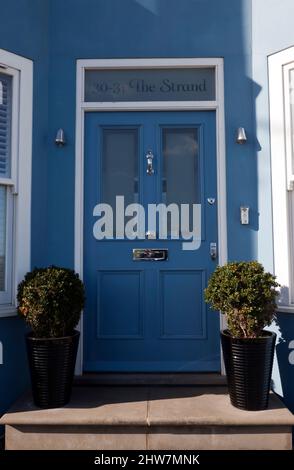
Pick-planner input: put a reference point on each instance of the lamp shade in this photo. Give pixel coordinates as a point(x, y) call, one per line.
point(241, 137)
point(60, 138)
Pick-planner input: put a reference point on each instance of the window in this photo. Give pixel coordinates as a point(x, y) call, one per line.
point(15, 175)
point(7, 78)
point(281, 94)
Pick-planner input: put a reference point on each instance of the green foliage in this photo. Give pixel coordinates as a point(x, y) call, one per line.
point(50, 300)
point(246, 294)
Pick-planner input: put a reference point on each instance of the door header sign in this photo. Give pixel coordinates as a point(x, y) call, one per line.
point(158, 84)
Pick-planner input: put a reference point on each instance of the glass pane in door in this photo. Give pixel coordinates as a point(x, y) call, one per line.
point(120, 165)
point(181, 172)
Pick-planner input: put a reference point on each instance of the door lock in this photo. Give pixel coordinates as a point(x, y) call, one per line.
point(213, 250)
point(151, 235)
point(211, 201)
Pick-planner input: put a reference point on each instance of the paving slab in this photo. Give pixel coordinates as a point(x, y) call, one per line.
point(88, 406)
point(208, 406)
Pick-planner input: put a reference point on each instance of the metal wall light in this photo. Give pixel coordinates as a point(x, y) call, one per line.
point(60, 140)
point(241, 136)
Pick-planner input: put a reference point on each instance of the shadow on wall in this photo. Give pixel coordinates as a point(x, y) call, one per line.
point(285, 357)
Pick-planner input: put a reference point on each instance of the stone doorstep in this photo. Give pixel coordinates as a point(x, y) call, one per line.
point(153, 438)
point(148, 406)
point(148, 418)
point(166, 378)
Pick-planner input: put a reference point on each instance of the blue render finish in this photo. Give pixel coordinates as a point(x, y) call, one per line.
point(24, 31)
point(55, 33)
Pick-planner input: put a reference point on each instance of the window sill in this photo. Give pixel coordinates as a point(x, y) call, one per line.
point(7, 311)
point(286, 309)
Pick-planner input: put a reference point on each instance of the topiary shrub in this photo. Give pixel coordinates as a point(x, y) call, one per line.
point(246, 294)
point(50, 300)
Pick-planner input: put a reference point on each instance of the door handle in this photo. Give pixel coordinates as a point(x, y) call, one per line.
point(213, 250)
point(149, 158)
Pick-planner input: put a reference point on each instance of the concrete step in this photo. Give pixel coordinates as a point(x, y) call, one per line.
point(148, 417)
point(191, 378)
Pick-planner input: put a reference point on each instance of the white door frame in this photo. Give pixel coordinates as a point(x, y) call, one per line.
point(82, 107)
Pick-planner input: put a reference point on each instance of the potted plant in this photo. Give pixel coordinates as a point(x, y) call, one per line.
point(51, 300)
point(246, 294)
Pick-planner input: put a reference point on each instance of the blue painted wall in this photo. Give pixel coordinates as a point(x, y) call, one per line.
point(13, 372)
point(55, 33)
point(153, 28)
point(269, 16)
point(23, 31)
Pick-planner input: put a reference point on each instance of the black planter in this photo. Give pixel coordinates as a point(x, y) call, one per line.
point(249, 363)
point(52, 363)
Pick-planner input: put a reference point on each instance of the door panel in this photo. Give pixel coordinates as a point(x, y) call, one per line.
point(183, 315)
point(149, 315)
point(115, 289)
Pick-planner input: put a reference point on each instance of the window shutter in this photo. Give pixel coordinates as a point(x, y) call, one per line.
point(5, 124)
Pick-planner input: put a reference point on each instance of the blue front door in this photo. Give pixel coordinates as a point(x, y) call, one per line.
point(144, 315)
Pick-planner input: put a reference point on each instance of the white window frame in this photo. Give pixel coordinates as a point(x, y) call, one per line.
point(19, 184)
point(83, 107)
point(279, 65)
point(11, 188)
point(6, 295)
